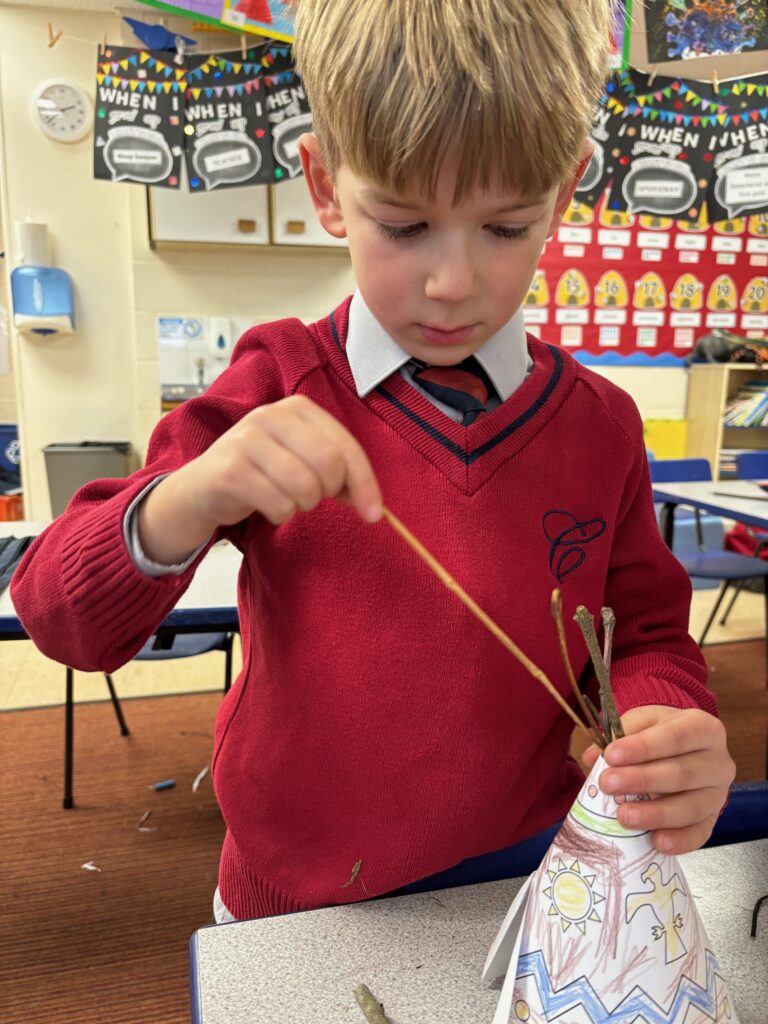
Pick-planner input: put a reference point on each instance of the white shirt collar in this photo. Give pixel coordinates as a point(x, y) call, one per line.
point(373, 355)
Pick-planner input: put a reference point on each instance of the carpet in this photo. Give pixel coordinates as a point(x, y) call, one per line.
point(108, 946)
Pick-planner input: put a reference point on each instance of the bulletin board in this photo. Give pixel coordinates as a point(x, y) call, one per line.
point(636, 289)
point(263, 17)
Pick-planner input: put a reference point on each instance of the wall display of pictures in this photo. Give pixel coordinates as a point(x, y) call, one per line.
point(685, 29)
point(138, 133)
point(622, 22)
point(226, 133)
point(269, 18)
point(235, 117)
point(624, 288)
point(289, 118)
point(672, 148)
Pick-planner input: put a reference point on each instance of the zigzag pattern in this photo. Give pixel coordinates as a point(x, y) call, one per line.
point(638, 1002)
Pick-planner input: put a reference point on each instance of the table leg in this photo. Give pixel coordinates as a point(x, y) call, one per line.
point(668, 523)
point(69, 726)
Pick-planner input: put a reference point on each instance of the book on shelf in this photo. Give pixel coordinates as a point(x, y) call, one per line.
point(748, 407)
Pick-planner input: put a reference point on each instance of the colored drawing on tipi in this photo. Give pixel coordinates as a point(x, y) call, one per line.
point(606, 932)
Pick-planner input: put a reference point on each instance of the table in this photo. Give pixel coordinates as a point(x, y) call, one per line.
point(423, 955)
point(720, 497)
point(209, 605)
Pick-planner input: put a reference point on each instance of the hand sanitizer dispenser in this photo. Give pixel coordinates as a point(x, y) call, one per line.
point(42, 295)
point(220, 336)
point(43, 301)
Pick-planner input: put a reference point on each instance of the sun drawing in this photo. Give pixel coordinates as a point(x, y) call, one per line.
point(573, 898)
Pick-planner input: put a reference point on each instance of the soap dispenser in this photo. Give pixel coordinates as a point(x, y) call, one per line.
point(42, 295)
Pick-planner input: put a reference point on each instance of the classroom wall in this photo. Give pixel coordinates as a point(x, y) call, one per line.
point(77, 387)
point(246, 285)
point(103, 382)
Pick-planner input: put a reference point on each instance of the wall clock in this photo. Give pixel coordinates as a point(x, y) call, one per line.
point(62, 110)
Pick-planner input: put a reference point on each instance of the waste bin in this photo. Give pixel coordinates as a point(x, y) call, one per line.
point(69, 466)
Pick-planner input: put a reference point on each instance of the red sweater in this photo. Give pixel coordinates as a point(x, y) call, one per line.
point(375, 719)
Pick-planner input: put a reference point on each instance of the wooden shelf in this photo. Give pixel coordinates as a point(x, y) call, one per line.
point(710, 387)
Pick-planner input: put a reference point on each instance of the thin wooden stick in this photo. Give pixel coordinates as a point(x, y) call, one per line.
point(486, 620)
point(557, 614)
point(611, 721)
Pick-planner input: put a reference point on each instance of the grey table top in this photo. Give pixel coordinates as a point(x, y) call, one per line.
point(210, 599)
point(422, 955)
point(734, 499)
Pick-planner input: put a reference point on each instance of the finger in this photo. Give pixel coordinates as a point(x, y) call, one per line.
point(679, 810)
point(684, 840)
point(590, 755)
point(288, 471)
point(667, 775)
point(261, 493)
point(361, 488)
point(680, 734)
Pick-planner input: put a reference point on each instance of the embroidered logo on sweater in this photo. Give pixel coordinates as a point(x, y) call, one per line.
point(568, 538)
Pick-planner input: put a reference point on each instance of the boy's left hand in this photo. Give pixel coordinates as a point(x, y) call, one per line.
point(680, 757)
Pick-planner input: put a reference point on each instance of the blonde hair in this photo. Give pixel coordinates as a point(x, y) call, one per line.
point(395, 84)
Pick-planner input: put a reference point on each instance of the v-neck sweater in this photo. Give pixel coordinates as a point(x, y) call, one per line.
point(378, 733)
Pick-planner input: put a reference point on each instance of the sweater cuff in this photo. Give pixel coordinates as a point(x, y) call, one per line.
point(107, 591)
point(637, 682)
point(132, 541)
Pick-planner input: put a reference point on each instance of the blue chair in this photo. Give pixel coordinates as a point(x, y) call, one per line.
point(161, 647)
point(749, 466)
point(729, 567)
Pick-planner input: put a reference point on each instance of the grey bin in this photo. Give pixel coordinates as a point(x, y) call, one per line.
point(69, 466)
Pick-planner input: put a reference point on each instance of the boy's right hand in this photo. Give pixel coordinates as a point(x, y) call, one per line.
point(277, 460)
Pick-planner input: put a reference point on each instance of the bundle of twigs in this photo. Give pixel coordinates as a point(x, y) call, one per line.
point(600, 732)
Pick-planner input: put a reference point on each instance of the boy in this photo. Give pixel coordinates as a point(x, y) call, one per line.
point(377, 733)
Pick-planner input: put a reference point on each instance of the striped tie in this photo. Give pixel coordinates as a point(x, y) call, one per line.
point(465, 387)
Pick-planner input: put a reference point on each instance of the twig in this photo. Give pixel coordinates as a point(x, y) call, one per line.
point(355, 872)
point(595, 713)
point(611, 721)
point(371, 1007)
point(486, 620)
point(609, 624)
point(557, 614)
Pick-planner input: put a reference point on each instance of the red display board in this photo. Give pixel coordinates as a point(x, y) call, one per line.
point(624, 288)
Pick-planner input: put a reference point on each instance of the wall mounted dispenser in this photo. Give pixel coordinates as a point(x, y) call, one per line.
point(42, 295)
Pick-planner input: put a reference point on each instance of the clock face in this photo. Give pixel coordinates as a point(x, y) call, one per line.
point(63, 111)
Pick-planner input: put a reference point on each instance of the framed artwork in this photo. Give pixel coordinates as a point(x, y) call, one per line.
point(688, 29)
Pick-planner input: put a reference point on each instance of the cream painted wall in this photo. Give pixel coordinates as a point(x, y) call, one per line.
point(103, 382)
point(236, 284)
point(80, 387)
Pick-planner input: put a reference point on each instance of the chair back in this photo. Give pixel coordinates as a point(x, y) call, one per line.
point(752, 465)
point(669, 471)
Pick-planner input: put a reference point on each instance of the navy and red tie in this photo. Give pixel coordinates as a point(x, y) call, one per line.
point(466, 387)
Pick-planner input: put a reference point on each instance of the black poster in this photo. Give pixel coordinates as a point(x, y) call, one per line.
point(226, 134)
point(739, 155)
point(661, 169)
point(138, 133)
point(289, 118)
point(600, 169)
